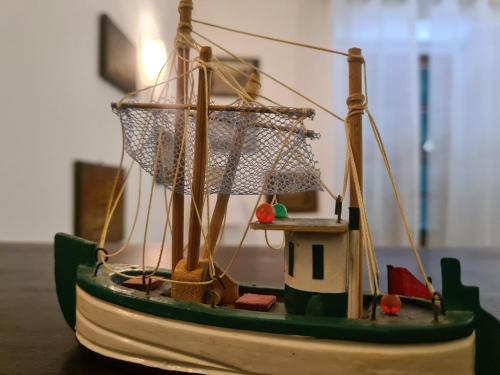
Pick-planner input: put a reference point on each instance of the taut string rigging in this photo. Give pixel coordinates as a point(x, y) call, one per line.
point(283, 41)
point(357, 105)
point(360, 108)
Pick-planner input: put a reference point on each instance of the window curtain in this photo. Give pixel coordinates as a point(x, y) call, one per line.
point(462, 38)
point(385, 31)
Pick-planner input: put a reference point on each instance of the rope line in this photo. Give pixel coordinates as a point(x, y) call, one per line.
point(357, 105)
point(247, 64)
point(136, 216)
point(399, 203)
point(283, 41)
point(271, 246)
point(104, 231)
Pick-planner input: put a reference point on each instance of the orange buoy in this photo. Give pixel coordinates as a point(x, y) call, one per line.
point(390, 304)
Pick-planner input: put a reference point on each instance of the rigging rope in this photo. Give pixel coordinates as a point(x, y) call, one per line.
point(283, 41)
point(247, 64)
point(398, 200)
point(136, 216)
point(358, 104)
point(280, 247)
point(151, 192)
point(109, 215)
point(361, 109)
point(169, 204)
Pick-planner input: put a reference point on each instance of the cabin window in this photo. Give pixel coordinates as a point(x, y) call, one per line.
point(318, 262)
point(291, 258)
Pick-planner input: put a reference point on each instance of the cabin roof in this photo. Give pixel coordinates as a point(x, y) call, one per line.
point(303, 225)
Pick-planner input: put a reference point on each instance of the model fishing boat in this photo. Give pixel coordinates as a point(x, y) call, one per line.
point(195, 317)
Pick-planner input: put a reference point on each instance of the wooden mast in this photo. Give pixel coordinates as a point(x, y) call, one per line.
point(184, 28)
point(199, 162)
point(252, 88)
point(355, 259)
point(189, 271)
point(230, 292)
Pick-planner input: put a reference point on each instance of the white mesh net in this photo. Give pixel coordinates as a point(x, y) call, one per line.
point(251, 149)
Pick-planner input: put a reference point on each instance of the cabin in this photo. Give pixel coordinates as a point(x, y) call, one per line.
point(315, 269)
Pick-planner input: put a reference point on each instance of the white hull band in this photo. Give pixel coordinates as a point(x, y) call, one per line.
point(128, 335)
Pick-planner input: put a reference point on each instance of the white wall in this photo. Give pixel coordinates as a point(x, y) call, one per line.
point(307, 71)
point(55, 108)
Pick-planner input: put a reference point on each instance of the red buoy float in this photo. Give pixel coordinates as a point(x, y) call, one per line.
point(390, 304)
point(265, 213)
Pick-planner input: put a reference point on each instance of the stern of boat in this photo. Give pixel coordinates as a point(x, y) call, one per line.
point(487, 327)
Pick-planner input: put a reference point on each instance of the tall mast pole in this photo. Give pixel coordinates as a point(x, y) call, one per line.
point(252, 88)
point(355, 264)
point(184, 35)
point(230, 292)
point(199, 162)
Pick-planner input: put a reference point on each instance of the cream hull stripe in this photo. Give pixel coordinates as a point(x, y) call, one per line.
point(169, 344)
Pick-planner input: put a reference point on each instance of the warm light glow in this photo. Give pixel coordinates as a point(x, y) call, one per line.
point(153, 57)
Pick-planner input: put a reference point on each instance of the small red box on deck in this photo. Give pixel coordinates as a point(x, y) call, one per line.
point(137, 283)
point(255, 302)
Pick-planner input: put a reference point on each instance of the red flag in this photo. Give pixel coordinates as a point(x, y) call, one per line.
point(402, 282)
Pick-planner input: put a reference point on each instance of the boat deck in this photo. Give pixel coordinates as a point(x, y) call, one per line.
point(414, 325)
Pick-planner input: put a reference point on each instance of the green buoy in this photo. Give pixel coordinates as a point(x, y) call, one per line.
point(280, 211)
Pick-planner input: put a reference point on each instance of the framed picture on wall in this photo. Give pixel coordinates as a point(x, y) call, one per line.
point(117, 56)
point(220, 88)
point(306, 201)
point(93, 185)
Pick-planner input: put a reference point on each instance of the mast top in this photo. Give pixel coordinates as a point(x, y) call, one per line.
point(185, 26)
point(355, 55)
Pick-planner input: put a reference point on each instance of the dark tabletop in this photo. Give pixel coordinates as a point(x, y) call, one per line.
point(34, 338)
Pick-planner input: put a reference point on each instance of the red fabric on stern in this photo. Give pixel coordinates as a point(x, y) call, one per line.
point(401, 281)
point(255, 302)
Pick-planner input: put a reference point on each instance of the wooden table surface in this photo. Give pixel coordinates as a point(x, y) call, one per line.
point(34, 338)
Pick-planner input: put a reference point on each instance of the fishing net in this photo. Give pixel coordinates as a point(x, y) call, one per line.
point(251, 149)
